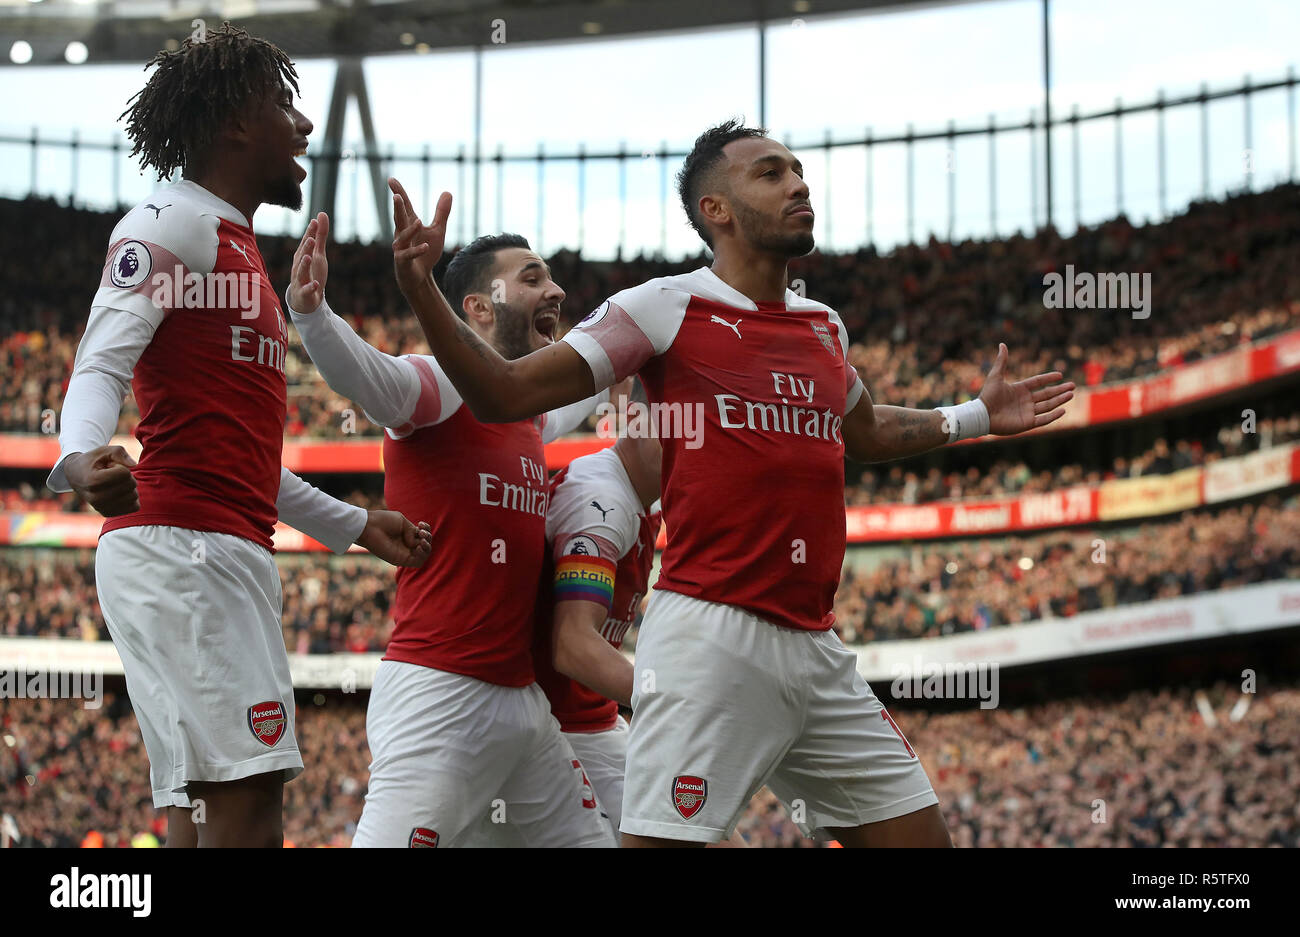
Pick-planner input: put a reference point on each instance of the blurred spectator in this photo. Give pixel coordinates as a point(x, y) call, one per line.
point(924, 321)
point(898, 484)
point(950, 587)
point(333, 604)
point(1006, 777)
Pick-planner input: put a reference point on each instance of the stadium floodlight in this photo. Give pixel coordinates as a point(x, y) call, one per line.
point(76, 52)
point(20, 53)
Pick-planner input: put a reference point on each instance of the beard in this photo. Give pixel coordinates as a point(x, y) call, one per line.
point(513, 332)
point(758, 231)
point(285, 192)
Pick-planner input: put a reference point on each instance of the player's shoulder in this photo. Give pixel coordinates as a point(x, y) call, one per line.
point(595, 494)
point(653, 294)
point(657, 307)
point(598, 470)
point(434, 399)
point(427, 364)
point(181, 219)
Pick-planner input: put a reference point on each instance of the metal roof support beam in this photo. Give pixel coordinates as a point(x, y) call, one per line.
point(349, 83)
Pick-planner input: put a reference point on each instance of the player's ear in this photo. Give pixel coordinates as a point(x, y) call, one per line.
point(714, 210)
point(478, 309)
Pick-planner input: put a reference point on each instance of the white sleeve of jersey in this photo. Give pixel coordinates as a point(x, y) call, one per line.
point(305, 507)
point(437, 401)
point(564, 420)
point(101, 378)
point(595, 500)
point(386, 387)
point(147, 249)
point(629, 329)
point(853, 386)
point(144, 245)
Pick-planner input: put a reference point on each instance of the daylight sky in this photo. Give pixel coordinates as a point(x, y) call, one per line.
point(837, 75)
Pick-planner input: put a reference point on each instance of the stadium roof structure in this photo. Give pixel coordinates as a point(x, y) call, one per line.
point(51, 32)
point(132, 31)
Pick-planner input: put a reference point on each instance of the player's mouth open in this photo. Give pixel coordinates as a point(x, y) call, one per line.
point(545, 323)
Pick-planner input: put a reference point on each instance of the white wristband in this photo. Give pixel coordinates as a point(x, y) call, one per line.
point(966, 420)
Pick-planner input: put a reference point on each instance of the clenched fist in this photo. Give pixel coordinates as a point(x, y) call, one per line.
point(103, 479)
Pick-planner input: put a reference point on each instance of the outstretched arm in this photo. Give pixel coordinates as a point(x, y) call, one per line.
point(496, 390)
point(386, 387)
point(338, 524)
point(881, 433)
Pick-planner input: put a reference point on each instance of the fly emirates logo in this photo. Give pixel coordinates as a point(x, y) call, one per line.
point(788, 417)
point(530, 497)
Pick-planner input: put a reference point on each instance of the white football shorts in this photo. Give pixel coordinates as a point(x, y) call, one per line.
point(195, 617)
point(604, 756)
point(725, 702)
point(450, 751)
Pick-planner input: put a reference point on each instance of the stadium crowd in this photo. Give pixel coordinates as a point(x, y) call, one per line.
point(922, 591)
point(952, 587)
point(1025, 776)
point(1031, 777)
point(924, 320)
point(897, 484)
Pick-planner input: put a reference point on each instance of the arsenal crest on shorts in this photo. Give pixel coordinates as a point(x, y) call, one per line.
point(824, 334)
point(422, 839)
point(689, 794)
point(266, 720)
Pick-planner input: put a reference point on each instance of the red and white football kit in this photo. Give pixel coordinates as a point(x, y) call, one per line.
point(186, 315)
point(739, 679)
point(598, 531)
point(458, 727)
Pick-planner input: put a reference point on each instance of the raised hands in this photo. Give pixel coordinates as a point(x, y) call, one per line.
point(1024, 405)
point(416, 246)
point(310, 268)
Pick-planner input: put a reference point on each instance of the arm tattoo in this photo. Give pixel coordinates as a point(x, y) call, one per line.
point(911, 424)
point(466, 336)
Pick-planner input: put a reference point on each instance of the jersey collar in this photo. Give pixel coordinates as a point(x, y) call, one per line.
point(714, 287)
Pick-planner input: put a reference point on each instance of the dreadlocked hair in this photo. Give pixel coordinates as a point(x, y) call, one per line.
point(198, 88)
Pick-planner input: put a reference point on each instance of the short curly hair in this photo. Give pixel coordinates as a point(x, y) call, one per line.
point(196, 90)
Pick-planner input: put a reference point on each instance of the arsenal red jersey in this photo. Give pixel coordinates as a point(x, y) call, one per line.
point(594, 511)
point(749, 400)
point(483, 489)
point(210, 385)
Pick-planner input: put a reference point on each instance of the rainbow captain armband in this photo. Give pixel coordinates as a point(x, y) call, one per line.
point(586, 578)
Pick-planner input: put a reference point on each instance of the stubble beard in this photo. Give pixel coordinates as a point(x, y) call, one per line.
point(757, 230)
point(513, 338)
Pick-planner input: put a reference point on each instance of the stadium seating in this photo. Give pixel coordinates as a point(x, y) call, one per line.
point(1010, 777)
